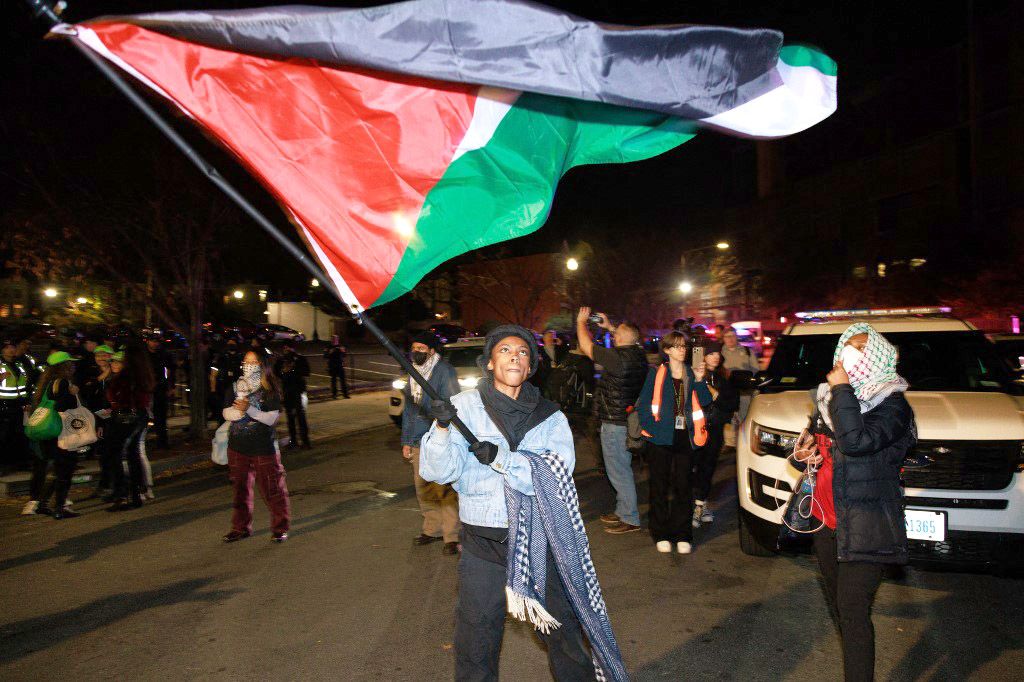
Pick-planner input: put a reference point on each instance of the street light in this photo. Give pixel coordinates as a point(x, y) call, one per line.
point(722, 246)
point(81, 300)
point(685, 287)
point(315, 283)
point(50, 293)
point(239, 294)
point(572, 264)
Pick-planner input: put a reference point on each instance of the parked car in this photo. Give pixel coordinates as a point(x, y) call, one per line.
point(39, 334)
point(450, 333)
point(461, 354)
point(964, 480)
point(277, 332)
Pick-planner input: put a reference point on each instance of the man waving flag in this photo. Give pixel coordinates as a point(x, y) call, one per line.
point(400, 136)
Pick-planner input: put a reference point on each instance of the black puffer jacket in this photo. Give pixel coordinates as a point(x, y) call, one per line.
point(868, 450)
point(618, 391)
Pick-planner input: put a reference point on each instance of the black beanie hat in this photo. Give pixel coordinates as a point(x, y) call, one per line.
point(428, 339)
point(503, 332)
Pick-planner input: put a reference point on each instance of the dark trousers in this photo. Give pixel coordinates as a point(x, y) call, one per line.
point(268, 473)
point(126, 448)
point(480, 624)
point(338, 376)
point(705, 460)
point(671, 496)
point(104, 454)
point(63, 467)
point(850, 587)
point(297, 415)
point(13, 444)
point(160, 414)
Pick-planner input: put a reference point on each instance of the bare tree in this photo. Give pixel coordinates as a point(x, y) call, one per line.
point(152, 240)
point(521, 290)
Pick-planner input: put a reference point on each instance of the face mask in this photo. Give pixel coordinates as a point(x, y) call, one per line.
point(419, 357)
point(850, 356)
point(251, 372)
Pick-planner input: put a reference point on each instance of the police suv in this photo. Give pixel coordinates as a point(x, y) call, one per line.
point(964, 481)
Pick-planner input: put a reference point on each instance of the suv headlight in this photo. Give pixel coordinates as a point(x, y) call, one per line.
point(398, 384)
point(765, 441)
point(469, 382)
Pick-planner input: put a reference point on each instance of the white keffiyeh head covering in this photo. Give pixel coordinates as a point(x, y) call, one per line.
point(873, 378)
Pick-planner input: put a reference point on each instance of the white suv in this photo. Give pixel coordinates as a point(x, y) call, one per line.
point(963, 481)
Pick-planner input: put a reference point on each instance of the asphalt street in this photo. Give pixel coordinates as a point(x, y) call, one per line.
point(153, 594)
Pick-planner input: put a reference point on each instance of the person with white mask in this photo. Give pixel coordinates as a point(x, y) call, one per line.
point(859, 433)
point(253, 405)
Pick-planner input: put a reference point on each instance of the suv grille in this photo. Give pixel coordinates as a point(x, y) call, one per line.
point(961, 464)
point(1006, 549)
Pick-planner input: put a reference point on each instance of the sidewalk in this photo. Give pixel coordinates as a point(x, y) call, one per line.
point(327, 419)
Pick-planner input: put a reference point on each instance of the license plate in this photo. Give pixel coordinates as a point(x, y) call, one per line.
point(926, 525)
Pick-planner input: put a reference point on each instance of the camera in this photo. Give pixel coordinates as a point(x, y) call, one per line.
point(594, 319)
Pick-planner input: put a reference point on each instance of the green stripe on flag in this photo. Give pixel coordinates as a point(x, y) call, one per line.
point(504, 190)
point(800, 55)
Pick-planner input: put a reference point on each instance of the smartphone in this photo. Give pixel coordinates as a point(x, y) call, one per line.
point(698, 356)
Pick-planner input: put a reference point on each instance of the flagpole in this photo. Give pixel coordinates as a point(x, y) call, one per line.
point(43, 9)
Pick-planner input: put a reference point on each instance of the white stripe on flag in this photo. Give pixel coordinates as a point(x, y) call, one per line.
point(89, 38)
point(805, 96)
point(339, 281)
point(488, 111)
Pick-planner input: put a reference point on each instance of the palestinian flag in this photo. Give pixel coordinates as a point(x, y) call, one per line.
point(398, 137)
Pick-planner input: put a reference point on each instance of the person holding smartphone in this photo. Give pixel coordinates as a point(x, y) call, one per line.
point(672, 426)
point(860, 431)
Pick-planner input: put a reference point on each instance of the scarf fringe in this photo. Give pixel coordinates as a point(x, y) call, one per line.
point(528, 609)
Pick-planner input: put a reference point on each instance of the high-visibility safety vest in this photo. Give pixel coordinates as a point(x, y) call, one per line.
point(15, 382)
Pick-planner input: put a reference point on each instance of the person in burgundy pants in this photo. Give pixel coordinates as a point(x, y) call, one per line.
point(253, 405)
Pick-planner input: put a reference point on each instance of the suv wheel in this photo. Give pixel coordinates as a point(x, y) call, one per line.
point(750, 544)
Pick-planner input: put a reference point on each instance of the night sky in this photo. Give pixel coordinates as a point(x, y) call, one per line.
point(52, 95)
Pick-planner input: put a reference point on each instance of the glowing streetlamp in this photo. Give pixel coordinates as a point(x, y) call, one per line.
point(239, 294)
point(315, 283)
point(50, 293)
point(81, 300)
point(572, 264)
point(685, 287)
point(722, 246)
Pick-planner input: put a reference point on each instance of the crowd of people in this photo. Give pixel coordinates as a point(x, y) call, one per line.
point(672, 413)
point(128, 392)
point(119, 388)
point(681, 470)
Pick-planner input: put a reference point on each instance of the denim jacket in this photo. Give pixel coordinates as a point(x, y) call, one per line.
point(445, 458)
point(415, 421)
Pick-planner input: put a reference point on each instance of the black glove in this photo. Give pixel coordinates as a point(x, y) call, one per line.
point(486, 452)
point(443, 411)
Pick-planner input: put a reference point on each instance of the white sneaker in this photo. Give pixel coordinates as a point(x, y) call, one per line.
point(684, 547)
point(664, 546)
point(708, 516)
point(30, 508)
point(149, 494)
point(698, 513)
point(67, 504)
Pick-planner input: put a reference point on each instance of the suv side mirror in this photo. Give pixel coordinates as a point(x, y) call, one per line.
point(742, 379)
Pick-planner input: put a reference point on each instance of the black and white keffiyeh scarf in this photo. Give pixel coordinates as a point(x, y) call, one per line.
point(551, 519)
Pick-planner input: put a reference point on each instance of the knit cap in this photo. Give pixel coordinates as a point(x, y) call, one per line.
point(503, 332)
